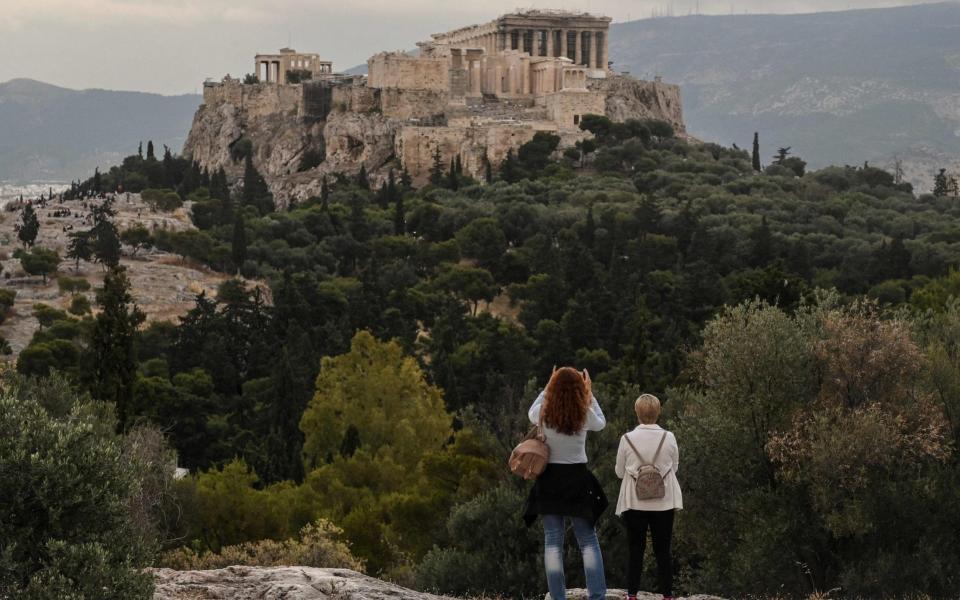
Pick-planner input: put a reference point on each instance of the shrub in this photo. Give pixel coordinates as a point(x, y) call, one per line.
point(79, 305)
point(318, 545)
point(72, 285)
point(64, 521)
point(161, 199)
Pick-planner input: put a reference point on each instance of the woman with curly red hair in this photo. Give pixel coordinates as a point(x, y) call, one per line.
point(567, 489)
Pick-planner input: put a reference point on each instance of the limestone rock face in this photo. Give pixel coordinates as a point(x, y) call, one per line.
point(581, 594)
point(353, 139)
point(270, 583)
point(215, 128)
point(629, 98)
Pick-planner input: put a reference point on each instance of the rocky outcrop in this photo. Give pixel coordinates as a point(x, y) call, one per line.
point(300, 134)
point(270, 583)
point(629, 98)
point(581, 594)
point(308, 583)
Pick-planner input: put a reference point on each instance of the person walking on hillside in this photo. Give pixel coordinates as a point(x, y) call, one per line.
point(647, 462)
point(567, 489)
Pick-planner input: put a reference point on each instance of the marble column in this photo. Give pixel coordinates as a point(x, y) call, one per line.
point(578, 41)
point(549, 42)
point(563, 43)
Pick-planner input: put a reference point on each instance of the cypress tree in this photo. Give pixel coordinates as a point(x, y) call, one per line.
point(238, 248)
point(362, 180)
point(452, 179)
point(113, 368)
point(436, 170)
point(940, 185)
point(399, 216)
point(405, 180)
point(150, 154)
point(756, 152)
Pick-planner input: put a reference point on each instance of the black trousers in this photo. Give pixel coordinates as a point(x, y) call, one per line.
point(660, 523)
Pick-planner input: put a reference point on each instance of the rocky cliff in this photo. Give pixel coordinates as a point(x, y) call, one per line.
point(306, 583)
point(299, 134)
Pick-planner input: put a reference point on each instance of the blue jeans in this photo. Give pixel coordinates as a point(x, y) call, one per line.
point(553, 536)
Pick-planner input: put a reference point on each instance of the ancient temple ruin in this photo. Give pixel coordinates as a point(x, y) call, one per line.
point(289, 66)
point(475, 93)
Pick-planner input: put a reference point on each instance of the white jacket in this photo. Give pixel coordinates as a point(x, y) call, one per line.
point(646, 438)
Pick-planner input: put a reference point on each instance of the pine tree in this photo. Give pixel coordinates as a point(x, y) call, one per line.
point(756, 152)
point(238, 249)
point(79, 247)
point(104, 235)
point(436, 170)
point(150, 154)
point(29, 226)
point(112, 362)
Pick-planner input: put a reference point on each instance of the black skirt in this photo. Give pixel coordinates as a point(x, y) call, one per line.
point(566, 490)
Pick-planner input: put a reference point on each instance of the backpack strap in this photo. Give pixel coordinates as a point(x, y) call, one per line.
point(640, 456)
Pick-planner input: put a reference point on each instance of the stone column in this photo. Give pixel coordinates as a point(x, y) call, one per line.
point(563, 43)
point(550, 42)
point(578, 41)
point(603, 50)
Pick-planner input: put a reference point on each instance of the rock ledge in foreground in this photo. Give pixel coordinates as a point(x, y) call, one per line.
point(581, 594)
point(274, 583)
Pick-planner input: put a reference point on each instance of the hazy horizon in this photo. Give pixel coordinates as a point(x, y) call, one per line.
point(171, 46)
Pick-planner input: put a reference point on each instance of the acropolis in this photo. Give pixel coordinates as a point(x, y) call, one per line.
point(476, 93)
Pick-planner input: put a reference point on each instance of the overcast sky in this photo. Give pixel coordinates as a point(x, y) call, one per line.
point(171, 46)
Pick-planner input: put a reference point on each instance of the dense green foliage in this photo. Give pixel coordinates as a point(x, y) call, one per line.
point(621, 256)
point(67, 528)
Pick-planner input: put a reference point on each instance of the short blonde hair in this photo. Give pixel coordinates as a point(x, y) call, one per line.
point(648, 408)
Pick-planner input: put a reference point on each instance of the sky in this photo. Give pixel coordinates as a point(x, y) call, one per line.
point(171, 46)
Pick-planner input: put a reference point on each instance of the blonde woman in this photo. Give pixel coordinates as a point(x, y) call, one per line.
point(639, 447)
point(567, 489)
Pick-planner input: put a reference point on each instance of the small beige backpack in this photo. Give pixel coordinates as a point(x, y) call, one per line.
point(529, 459)
point(649, 480)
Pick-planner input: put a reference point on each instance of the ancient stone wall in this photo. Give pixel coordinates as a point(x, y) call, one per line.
point(356, 98)
point(423, 105)
point(399, 70)
point(566, 109)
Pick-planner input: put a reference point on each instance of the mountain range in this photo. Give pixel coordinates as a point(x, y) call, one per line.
point(50, 133)
point(837, 88)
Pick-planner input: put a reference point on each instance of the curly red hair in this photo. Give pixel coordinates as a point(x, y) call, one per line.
point(566, 402)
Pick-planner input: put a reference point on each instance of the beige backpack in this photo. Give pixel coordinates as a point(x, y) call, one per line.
point(649, 480)
point(530, 457)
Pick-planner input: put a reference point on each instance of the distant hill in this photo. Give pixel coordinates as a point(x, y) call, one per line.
point(839, 87)
point(53, 133)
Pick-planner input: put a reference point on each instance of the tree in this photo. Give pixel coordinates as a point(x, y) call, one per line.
point(40, 261)
point(105, 237)
point(436, 169)
point(65, 520)
point(762, 240)
point(238, 249)
point(255, 190)
point(781, 156)
point(113, 367)
point(150, 154)
point(136, 237)
point(941, 184)
point(29, 226)
point(363, 181)
point(384, 395)
point(756, 153)
point(79, 247)
point(399, 216)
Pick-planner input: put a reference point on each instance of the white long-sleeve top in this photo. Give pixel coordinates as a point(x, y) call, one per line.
point(569, 449)
point(646, 438)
